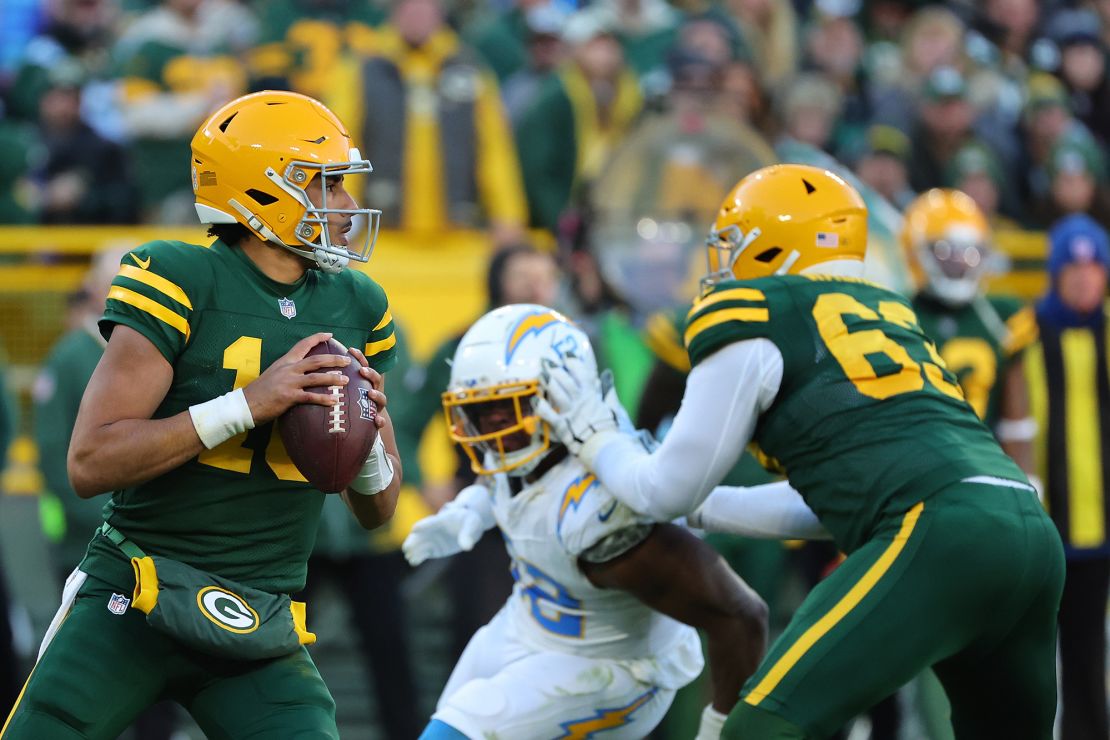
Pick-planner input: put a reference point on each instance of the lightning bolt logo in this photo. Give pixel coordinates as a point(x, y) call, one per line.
point(533, 323)
point(603, 719)
point(575, 492)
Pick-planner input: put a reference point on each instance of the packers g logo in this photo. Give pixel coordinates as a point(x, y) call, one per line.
point(227, 610)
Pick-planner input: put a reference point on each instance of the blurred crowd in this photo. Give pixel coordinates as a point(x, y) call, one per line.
point(501, 114)
point(612, 126)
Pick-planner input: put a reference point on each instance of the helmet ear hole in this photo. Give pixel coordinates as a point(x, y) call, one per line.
point(768, 254)
point(260, 197)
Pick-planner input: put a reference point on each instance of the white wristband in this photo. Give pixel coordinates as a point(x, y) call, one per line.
point(1016, 430)
point(376, 473)
point(712, 723)
point(223, 417)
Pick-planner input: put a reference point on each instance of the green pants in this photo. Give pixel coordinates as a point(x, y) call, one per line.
point(102, 669)
point(968, 581)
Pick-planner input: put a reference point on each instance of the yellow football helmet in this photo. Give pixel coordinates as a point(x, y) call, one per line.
point(946, 239)
point(253, 159)
point(785, 218)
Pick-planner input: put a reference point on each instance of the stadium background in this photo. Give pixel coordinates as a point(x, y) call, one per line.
point(434, 269)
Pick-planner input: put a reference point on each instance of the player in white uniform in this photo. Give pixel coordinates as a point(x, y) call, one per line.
point(592, 639)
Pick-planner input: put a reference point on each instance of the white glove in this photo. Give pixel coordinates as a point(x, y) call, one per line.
point(455, 528)
point(584, 421)
point(712, 722)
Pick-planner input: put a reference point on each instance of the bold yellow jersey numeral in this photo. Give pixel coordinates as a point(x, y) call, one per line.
point(851, 349)
point(244, 356)
point(976, 364)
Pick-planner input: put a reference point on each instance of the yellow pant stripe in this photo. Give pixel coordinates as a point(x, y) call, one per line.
point(155, 309)
point(18, 699)
point(159, 283)
point(848, 602)
point(732, 294)
point(725, 314)
point(1085, 509)
point(381, 345)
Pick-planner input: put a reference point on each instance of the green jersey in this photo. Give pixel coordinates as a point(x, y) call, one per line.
point(978, 342)
point(241, 510)
point(867, 421)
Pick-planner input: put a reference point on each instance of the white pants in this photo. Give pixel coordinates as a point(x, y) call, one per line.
point(503, 690)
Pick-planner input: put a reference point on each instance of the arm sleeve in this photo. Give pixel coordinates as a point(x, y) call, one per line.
point(771, 511)
point(724, 396)
point(381, 344)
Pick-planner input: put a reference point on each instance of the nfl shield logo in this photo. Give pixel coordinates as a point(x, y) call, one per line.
point(118, 604)
point(364, 404)
point(288, 308)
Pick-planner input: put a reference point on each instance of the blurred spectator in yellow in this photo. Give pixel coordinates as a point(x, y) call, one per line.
point(879, 158)
point(769, 31)
point(808, 107)
point(84, 178)
point(975, 170)
point(77, 32)
point(945, 124)
point(577, 119)
point(1083, 68)
point(301, 41)
point(646, 30)
point(504, 37)
point(428, 114)
point(177, 64)
point(20, 150)
point(545, 53)
point(1067, 374)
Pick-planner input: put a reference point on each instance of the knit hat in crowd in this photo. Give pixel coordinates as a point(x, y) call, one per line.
point(1076, 238)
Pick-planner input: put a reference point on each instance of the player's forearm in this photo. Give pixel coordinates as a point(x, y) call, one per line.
point(374, 511)
point(127, 452)
point(734, 652)
point(770, 511)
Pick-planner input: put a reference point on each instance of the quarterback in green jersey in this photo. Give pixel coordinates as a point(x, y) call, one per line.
point(206, 347)
point(981, 338)
point(951, 561)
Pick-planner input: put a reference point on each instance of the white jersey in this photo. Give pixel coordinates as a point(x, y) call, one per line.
point(554, 607)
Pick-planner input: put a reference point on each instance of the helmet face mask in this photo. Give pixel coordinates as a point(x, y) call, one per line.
point(253, 161)
point(495, 381)
point(946, 238)
point(722, 249)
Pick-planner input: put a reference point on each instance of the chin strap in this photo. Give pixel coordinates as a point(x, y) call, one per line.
point(332, 264)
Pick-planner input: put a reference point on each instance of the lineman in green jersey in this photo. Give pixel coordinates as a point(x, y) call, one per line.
point(206, 347)
point(951, 561)
point(981, 338)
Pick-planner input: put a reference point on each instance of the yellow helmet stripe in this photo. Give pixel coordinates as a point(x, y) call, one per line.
point(159, 283)
point(155, 309)
point(719, 317)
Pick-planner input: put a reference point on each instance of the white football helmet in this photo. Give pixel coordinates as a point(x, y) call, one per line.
point(495, 377)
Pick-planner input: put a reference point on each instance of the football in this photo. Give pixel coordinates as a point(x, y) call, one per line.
point(328, 444)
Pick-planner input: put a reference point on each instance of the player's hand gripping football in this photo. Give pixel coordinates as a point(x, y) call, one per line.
point(284, 383)
point(574, 407)
point(455, 528)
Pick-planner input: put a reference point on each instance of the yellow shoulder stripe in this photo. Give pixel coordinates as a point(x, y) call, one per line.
point(732, 294)
point(719, 317)
point(385, 320)
point(155, 309)
point(381, 345)
point(1023, 330)
point(159, 283)
point(662, 338)
point(847, 602)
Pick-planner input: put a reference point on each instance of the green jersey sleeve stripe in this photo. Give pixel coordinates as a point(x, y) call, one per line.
point(731, 294)
point(373, 348)
point(162, 285)
point(157, 310)
point(386, 318)
point(747, 313)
